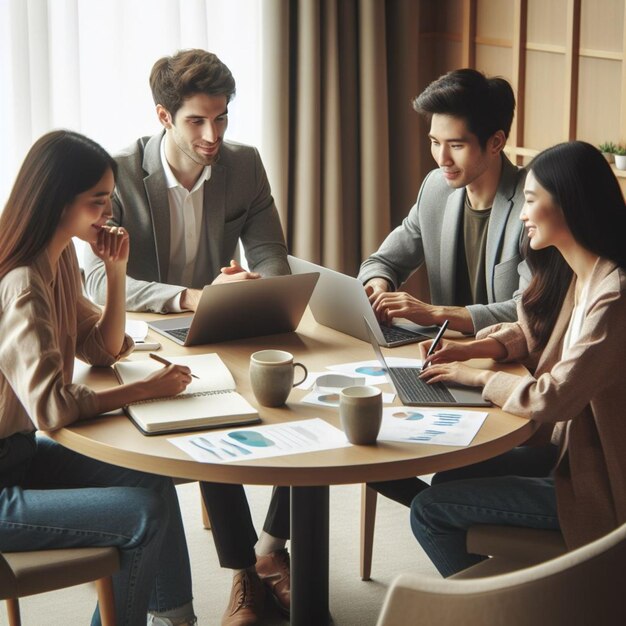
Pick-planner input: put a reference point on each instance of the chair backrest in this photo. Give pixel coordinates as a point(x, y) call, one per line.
point(585, 586)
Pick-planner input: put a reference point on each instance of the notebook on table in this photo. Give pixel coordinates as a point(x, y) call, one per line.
point(413, 391)
point(339, 301)
point(239, 309)
point(210, 401)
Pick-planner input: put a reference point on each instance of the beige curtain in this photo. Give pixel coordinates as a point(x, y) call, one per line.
point(341, 138)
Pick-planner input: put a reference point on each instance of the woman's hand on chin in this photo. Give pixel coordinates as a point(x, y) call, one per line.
point(112, 246)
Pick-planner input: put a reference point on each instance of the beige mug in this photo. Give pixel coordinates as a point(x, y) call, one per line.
point(360, 413)
point(271, 376)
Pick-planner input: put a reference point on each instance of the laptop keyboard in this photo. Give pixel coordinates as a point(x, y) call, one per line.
point(395, 333)
point(179, 333)
point(415, 390)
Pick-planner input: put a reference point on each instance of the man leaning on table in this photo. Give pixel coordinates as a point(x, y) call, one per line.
point(465, 226)
point(186, 197)
point(465, 223)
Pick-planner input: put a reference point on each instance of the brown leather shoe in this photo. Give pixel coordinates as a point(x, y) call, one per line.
point(273, 570)
point(246, 600)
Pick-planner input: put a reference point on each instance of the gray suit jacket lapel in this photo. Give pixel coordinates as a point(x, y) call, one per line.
point(448, 251)
point(502, 206)
point(156, 190)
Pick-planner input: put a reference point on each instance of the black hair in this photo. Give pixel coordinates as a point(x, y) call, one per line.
point(485, 104)
point(581, 182)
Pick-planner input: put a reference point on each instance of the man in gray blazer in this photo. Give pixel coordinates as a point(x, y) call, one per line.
point(186, 198)
point(465, 224)
point(466, 227)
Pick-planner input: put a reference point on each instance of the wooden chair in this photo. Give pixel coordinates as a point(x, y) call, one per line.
point(28, 573)
point(577, 588)
point(503, 541)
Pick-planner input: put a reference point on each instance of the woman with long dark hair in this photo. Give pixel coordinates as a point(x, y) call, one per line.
point(51, 497)
point(571, 328)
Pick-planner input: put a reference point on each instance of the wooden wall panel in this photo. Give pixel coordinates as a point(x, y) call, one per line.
point(546, 22)
point(566, 60)
point(598, 100)
point(494, 19)
point(601, 27)
point(495, 60)
point(545, 80)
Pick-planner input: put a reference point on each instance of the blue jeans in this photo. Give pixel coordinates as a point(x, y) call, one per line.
point(441, 515)
point(522, 461)
point(51, 497)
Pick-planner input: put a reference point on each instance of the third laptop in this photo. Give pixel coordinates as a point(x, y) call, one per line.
point(413, 391)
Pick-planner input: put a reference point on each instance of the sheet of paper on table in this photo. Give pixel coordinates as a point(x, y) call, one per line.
point(261, 442)
point(443, 427)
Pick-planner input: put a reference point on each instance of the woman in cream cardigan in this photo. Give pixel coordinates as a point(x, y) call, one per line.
point(51, 497)
point(572, 335)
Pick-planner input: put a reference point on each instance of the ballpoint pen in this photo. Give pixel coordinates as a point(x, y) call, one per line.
point(434, 344)
point(160, 359)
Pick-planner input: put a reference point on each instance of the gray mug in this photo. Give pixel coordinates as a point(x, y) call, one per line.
point(271, 376)
point(360, 413)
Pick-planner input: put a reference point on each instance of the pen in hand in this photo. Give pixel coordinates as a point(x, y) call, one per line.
point(160, 359)
point(434, 344)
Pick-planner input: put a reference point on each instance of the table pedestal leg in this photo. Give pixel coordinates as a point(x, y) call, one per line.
point(309, 556)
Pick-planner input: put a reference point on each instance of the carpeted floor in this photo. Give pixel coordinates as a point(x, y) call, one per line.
point(352, 601)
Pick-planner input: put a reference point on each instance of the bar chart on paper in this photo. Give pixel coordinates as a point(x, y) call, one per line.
point(432, 426)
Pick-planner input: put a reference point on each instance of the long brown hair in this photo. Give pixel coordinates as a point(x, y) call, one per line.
point(59, 166)
point(582, 183)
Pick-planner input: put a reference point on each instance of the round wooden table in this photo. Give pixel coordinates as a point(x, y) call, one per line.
point(116, 440)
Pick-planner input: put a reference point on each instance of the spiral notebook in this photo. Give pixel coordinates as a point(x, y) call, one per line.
point(210, 401)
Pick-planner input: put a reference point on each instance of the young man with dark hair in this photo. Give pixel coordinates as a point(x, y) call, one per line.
point(465, 227)
point(465, 224)
point(186, 197)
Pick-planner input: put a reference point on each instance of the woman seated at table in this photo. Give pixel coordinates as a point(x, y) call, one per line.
point(51, 497)
point(571, 324)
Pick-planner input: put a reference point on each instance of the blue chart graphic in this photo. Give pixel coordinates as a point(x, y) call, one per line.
point(428, 435)
point(447, 419)
point(251, 438)
point(370, 370)
point(408, 415)
point(329, 398)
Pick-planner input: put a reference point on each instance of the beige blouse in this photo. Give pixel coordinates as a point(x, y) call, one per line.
point(583, 383)
point(45, 322)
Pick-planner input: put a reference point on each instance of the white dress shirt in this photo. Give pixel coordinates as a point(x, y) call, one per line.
point(185, 225)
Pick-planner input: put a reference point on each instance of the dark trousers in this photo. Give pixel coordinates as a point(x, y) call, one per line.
point(529, 461)
point(231, 522)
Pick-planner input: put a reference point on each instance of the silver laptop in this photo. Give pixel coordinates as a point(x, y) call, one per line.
point(413, 391)
point(340, 302)
point(247, 308)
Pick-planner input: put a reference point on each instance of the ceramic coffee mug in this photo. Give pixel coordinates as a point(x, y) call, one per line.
point(360, 413)
point(271, 376)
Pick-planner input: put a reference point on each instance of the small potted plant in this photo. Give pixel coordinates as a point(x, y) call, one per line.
point(620, 158)
point(608, 149)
